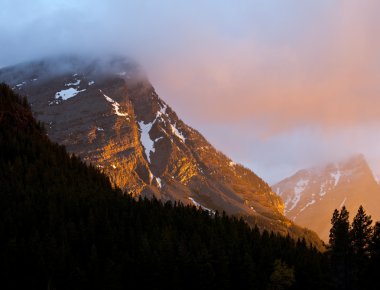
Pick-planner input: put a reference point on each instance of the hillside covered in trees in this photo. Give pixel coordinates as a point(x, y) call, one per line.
point(63, 226)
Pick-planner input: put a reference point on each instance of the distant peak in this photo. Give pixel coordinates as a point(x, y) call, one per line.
point(350, 162)
point(356, 158)
point(354, 161)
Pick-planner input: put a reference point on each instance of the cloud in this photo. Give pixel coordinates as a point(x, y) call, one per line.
point(326, 74)
point(282, 76)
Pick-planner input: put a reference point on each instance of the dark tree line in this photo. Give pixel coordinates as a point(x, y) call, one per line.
point(354, 250)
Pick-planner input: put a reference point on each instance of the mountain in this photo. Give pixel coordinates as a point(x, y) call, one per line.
point(106, 111)
point(311, 195)
point(63, 226)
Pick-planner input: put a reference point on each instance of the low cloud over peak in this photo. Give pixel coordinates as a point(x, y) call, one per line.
point(283, 76)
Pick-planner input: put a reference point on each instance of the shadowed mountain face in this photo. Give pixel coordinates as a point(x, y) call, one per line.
point(107, 112)
point(311, 195)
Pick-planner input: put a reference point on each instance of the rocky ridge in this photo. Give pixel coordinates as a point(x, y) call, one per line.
point(107, 112)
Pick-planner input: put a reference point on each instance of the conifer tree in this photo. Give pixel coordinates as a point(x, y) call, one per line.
point(375, 249)
point(334, 229)
point(361, 234)
point(339, 233)
point(372, 271)
point(340, 248)
point(375, 244)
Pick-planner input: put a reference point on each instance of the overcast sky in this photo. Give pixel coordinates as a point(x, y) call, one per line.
point(276, 85)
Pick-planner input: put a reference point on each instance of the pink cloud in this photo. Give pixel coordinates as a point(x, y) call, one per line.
point(328, 75)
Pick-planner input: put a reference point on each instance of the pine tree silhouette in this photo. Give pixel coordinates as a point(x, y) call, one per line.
point(340, 249)
point(361, 236)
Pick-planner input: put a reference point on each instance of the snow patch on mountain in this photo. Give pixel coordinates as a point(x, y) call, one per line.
point(76, 83)
point(20, 84)
point(162, 111)
point(201, 206)
point(54, 102)
point(307, 205)
point(115, 105)
point(151, 176)
point(300, 186)
point(145, 139)
point(336, 175)
point(177, 133)
point(322, 191)
point(298, 189)
point(159, 182)
point(343, 202)
point(376, 177)
point(68, 93)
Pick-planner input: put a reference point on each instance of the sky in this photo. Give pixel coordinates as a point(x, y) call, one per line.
point(276, 85)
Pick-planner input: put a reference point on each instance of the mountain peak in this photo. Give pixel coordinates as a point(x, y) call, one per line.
point(311, 195)
point(356, 160)
point(107, 112)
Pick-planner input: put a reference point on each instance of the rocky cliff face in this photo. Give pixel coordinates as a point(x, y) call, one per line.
point(311, 195)
point(108, 113)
